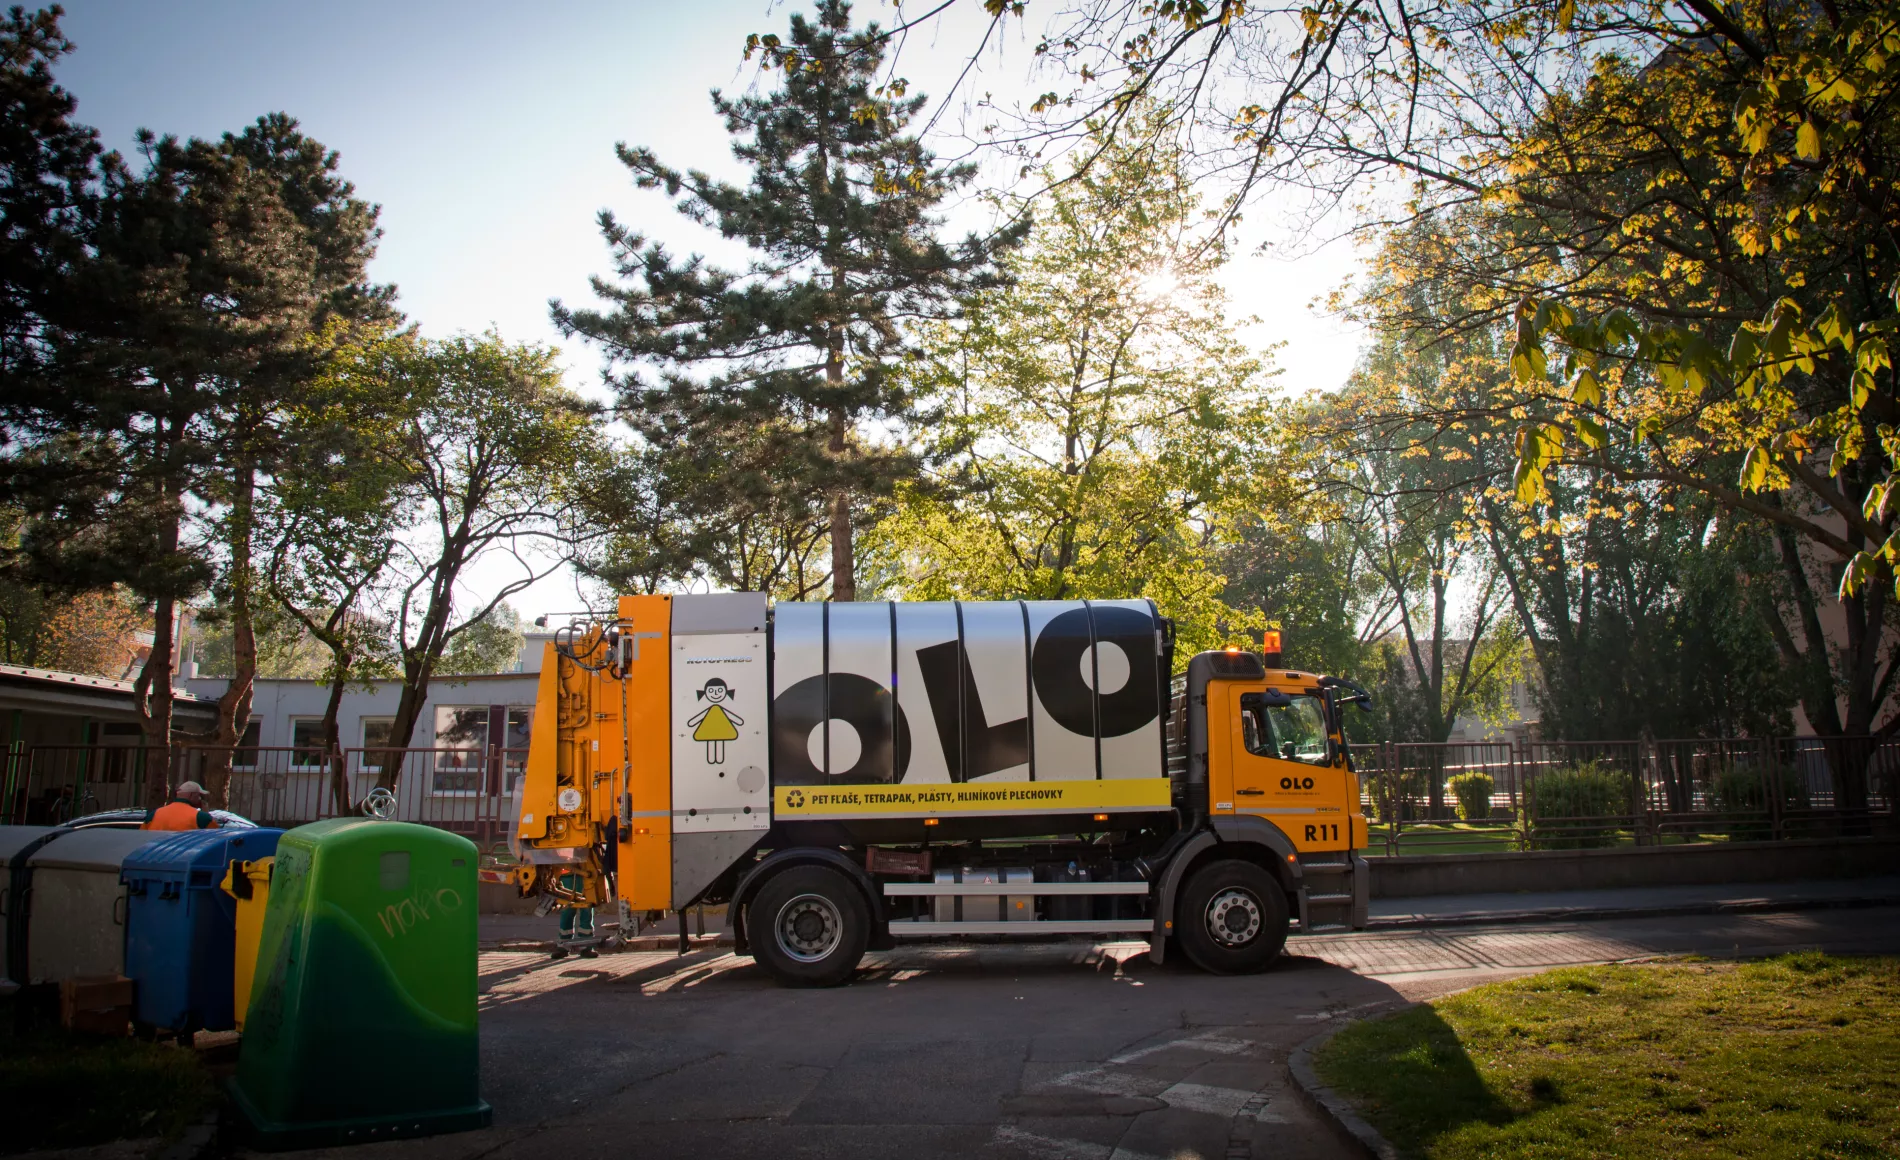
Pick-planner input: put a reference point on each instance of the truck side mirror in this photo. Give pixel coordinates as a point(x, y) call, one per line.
point(1361, 696)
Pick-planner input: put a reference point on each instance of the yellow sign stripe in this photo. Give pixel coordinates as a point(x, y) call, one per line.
point(971, 798)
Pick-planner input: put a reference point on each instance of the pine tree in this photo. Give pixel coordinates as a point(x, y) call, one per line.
point(184, 329)
point(794, 353)
point(47, 169)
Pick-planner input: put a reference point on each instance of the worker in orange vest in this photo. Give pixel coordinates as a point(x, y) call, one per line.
point(186, 811)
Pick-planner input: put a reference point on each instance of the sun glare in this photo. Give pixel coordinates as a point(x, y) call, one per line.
point(1159, 286)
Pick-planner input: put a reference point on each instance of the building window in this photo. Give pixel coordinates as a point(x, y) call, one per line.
point(245, 755)
point(306, 743)
point(375, 731)
point(461, 747)
point(122, 750)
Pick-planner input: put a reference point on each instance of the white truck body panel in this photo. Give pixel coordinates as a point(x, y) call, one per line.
point(965, 691)
point(720, 757)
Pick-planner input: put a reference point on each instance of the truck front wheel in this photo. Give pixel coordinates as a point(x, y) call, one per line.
point(809, 926)
point(1231, 918)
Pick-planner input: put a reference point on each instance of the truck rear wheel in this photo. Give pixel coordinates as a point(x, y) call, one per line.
point(1231, 918)
point(808, 926)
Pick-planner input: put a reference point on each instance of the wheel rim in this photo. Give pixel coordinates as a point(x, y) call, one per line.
point(1233, 917)
point(809, 928)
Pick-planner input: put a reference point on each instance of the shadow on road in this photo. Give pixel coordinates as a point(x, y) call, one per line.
point(1063, 1049)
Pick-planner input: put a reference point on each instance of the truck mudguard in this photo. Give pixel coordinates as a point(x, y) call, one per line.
point(752, 879)
point(1244, 828)
point(1225, 830)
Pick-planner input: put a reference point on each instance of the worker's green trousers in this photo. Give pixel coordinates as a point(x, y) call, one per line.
point(576, 921)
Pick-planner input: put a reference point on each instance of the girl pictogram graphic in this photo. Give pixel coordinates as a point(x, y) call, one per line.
point(715, 722)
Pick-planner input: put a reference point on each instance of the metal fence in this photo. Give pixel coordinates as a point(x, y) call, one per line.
point(461, 789)
point(1556, 795)
point(1541, 795)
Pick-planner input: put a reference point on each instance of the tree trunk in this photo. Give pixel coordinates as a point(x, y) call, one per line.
point(1678, 768)
point(844, 581)
point(332, 739)
point(419, 660)
point(1843, 740)
point(844, 585)
point(1437, 719)
point(234, 706)
point(1848, 758)
point(417, 672)
point(152, 691)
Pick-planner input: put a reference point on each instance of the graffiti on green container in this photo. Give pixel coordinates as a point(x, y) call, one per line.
point(399, 918)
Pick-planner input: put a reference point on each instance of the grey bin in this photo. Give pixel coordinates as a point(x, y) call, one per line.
point(76, 904)
point(16, 842)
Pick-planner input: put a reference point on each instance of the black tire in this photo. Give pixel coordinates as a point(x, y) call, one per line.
point(808, 926)
point(1231, 918)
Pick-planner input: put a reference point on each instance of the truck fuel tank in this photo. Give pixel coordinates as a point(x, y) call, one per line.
point(985, 908)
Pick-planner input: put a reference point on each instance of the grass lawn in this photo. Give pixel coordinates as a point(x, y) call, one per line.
point(1794, 1056)
point(1442, 838)
point(60, 1091)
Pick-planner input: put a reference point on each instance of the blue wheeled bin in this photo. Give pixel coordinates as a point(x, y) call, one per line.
point(180, 928)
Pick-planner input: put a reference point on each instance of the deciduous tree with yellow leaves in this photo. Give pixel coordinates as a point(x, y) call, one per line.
point(1106, 429)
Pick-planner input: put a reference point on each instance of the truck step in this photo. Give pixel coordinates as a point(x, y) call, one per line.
point(1326, 867)
point(1327, 899)
point(1325, 927)
point(940, 889)
point(918, 928)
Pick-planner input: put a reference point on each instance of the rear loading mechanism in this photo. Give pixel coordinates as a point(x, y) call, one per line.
point(843, 776)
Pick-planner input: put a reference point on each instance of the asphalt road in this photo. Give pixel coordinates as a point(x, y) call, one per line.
point(1041, 1052)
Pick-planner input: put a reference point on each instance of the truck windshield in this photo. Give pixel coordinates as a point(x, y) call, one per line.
point(1292, 732)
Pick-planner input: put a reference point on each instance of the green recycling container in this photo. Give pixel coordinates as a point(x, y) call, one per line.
point(362, 1018)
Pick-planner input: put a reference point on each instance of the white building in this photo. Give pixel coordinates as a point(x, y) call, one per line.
point(469, 747)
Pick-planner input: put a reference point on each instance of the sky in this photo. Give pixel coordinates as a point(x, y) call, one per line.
point(486, 133)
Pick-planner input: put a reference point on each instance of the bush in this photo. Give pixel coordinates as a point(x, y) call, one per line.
point(1745, 789)
point(1396, 796)
point(1588, 789)
point(1473, 789)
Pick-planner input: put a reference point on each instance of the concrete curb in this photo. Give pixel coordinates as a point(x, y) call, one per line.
point(1601, 913)
point(670, 942)
point(1329, 1103)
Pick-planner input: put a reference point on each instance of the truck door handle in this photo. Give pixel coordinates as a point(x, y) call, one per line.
point(1251, 792)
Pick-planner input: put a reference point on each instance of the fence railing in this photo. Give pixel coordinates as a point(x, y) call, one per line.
point(1555, 795)
point(1541, 794)
point(461, 789)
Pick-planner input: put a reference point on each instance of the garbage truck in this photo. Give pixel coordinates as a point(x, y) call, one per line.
point(842, 776)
